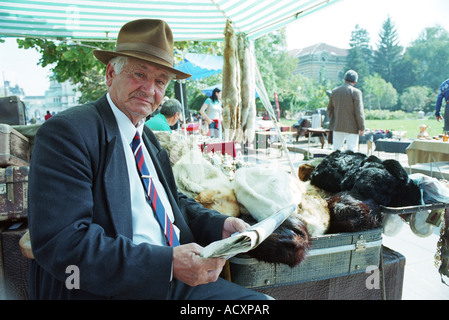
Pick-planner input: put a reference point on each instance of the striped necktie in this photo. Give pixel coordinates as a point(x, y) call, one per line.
point(150, 189)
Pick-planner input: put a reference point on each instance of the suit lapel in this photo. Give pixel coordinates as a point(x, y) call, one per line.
point(115, 176)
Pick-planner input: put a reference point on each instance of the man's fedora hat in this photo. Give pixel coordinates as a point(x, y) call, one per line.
point(145, 39)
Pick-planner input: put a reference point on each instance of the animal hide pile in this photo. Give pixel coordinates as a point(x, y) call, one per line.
point(360, 184)
point(263, 191)
point(231, 82)
point(385, 182)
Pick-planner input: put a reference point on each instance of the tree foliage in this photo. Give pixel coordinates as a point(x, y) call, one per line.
point(388, 53)
point(423, 63)
point(360, 54)
point(416, 98)
point(379, 94)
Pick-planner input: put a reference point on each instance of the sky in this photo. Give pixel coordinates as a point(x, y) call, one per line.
point(332, 25)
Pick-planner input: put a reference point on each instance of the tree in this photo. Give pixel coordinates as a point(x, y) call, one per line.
point(388, 52)
point(360, 54)
point(379, 93)
point(416, 98)
point(425, 61)
point(74, 61)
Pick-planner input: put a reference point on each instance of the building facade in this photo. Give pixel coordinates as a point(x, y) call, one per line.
point(58, 97)
point(321, 62)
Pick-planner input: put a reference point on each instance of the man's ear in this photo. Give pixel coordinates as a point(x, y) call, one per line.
point(110, 74)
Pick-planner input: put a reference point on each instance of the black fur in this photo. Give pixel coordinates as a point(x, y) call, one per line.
point(385, 182)
point(351, 213)
point(288, 244)
point(329, 174)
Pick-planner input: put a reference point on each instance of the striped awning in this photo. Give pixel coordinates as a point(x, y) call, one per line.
point(100, 20)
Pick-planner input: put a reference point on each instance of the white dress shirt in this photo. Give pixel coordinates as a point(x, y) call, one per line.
point(146, 228)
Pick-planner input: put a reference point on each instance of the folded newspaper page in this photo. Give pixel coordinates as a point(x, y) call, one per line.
point(248, 239)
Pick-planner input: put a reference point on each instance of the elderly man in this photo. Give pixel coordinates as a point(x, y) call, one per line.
point(346, 114)
point(169, 114)
point(105, 218)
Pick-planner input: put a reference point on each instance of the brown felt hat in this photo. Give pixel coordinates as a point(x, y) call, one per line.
point(150, 40)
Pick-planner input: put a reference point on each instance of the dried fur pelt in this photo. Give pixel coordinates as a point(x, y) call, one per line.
point(314, 211)
point(222, 200)
point(305, 171)
point(351, 213)
point(265, 190)
point(288, 244)
point(247, 90)
point(231, 83)
point(194, 174)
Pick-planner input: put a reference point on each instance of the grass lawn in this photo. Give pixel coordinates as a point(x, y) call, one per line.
point(434, 127)
point(411, 126)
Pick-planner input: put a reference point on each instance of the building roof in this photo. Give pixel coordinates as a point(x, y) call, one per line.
point(317, 48)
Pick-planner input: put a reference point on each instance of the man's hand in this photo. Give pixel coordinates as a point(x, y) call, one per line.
point(439, 118)
point(192, 269)
point(233, 225)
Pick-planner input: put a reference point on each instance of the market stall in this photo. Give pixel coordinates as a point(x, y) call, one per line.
point(343, 242)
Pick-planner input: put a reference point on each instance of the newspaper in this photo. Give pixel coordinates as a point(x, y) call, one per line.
point(248, 239)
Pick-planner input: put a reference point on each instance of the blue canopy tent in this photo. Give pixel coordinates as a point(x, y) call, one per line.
point(200, 65)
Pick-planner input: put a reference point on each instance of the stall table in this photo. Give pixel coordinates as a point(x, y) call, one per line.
point(428, 152)
point(264, 139)
point(392, 145)
point(316, 132)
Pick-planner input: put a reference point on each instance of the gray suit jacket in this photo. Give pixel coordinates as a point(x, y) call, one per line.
point(345, 110)
point(80, 212)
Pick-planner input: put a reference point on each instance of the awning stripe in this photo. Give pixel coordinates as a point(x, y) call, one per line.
point(189, 20)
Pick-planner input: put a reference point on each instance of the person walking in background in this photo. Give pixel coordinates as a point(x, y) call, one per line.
point(212, 113)
point(168, 115)
point(345, 109)
point(443, 92)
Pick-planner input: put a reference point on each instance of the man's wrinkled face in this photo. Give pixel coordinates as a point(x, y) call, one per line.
point(138, 89)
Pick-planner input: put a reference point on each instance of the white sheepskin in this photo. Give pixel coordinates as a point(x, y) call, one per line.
point(194, 174)
point(264, 191)
point(314, 211)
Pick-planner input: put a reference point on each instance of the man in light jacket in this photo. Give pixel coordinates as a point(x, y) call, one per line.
point(345, 109)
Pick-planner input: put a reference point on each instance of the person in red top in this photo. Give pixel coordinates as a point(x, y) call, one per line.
point(48, 115)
